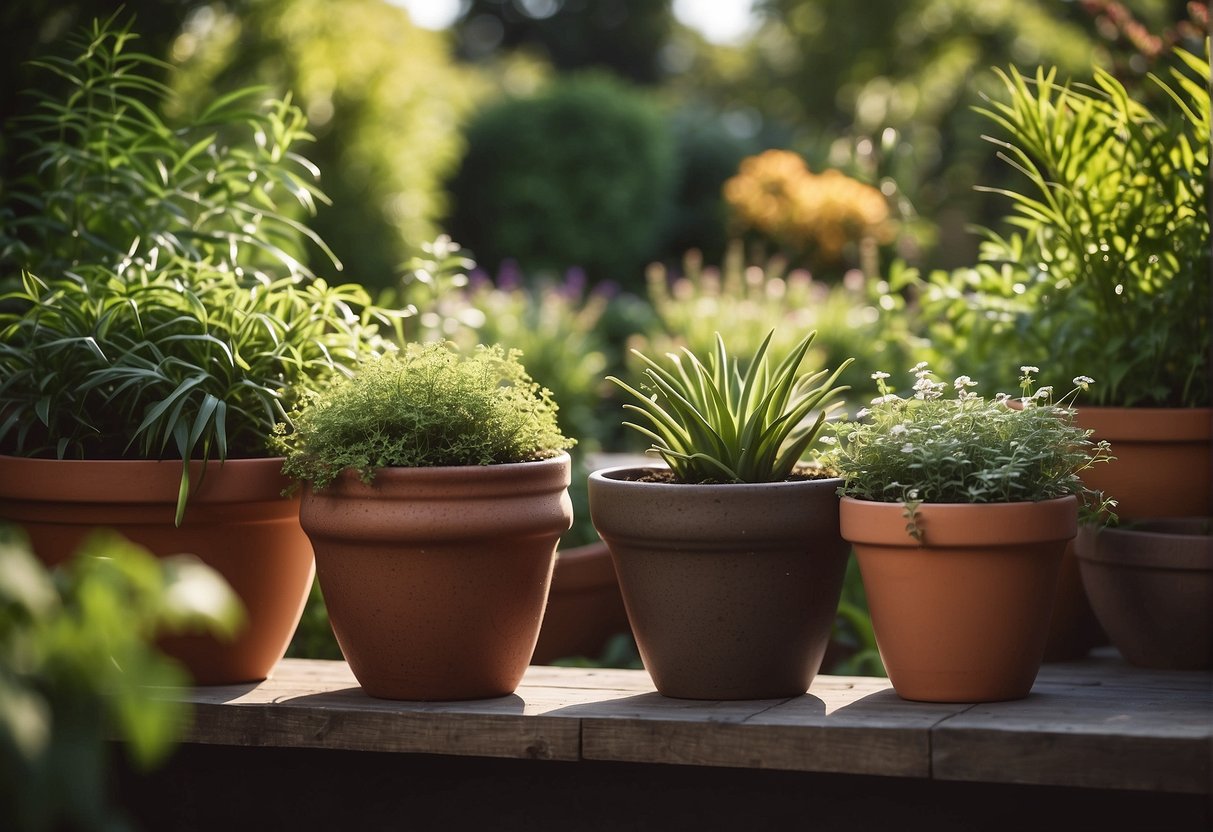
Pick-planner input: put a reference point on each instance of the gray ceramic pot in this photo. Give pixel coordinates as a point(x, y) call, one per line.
point(1151, 586)
point(731, 590)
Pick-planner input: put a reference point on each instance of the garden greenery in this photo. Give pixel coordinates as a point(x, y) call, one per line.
point(1108, 266)
point(966, 449)
point(426, 406)
point(78, 671)
point(712, 423)
point(159, 312)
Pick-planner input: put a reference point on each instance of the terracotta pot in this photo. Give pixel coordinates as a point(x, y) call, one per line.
point(1164, 459)
point(236, 521)
point(436, 578)
point(731, 590)
point(962, 615)
point(1073, 628)
point(1151, 586)
point(585, 609)
point(1163, 468)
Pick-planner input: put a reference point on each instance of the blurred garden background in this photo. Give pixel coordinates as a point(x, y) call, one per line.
point(577, 177)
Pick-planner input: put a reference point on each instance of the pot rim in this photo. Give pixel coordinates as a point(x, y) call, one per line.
point(440, 481)
point(882, 523)
point(235, 479)
point(1161, 424)
point(1147, 549)
point(611, 475)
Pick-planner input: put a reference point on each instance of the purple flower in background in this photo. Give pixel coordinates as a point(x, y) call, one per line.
point(509, 276)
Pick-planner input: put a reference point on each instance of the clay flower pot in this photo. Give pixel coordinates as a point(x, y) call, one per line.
point(962, 614)
point(1163, 459)
point(731, 590)
point(584, 608)
point(1163, 468)
point(236, 522)
point(436, 578)
point(1151, 586)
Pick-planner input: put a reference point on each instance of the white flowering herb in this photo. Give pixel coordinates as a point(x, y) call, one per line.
point(932, 448)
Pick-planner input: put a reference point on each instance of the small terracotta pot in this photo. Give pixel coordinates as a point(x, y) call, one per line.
point(585, 608)
point(236, 521)
point(436, 578)
point(1151, 586)
point(962, 615)
point(731, 590)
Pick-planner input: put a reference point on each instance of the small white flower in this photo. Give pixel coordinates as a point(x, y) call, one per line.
point(886, 399)
point(1028, 368)
point(828, 440)
point(1044, 392)
point(920, 367)
point(913, 495)
point(962, 382)
point(863, 411)
point(897, 430)
point(1083, 381)
point(879, 375)
point(907, 448)
point(1001, 398)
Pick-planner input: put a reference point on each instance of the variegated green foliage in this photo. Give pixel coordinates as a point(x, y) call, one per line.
point(714, 422)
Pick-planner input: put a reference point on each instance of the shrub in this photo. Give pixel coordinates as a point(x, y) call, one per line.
point(579, 175)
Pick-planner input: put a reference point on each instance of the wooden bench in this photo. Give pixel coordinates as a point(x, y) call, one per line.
point(600, 749)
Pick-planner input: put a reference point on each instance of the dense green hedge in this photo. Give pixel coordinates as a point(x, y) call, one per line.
point(579, 175)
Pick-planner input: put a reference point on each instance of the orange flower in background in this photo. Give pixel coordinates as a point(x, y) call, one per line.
point(776, 195)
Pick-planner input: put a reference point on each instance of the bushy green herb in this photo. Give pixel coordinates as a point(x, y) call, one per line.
point(966, 449)
point(166, 316)
point(711, 423)
point(427, 406)
point(1108, 267)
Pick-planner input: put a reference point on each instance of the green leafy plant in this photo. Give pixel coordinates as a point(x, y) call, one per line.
point(712, 423)
point(78, 669)
point(165, 315)
point(746, 296)
point(1108, 266)
point(966, 449)
point(427, 406)
point(109, 180)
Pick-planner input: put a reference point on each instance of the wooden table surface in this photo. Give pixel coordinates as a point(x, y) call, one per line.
point(1098, 723)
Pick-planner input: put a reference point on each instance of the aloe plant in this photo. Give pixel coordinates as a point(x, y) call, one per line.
point(712, 422)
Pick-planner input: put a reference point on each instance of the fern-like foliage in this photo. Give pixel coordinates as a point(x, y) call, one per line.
point(1110, 246)
point(109, 179)
point(157, 310)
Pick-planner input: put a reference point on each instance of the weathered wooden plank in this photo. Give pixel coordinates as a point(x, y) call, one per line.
point(1097, 723)
point(1133, 733)
point(843, 725)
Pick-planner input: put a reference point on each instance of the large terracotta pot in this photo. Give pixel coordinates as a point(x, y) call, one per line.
point(436, 578)
point(1151, 585)
point(585, 609)
point(236, 521)
point(1164, 459)
point(962, 614)
point(731, 590)
point(1163, 468)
